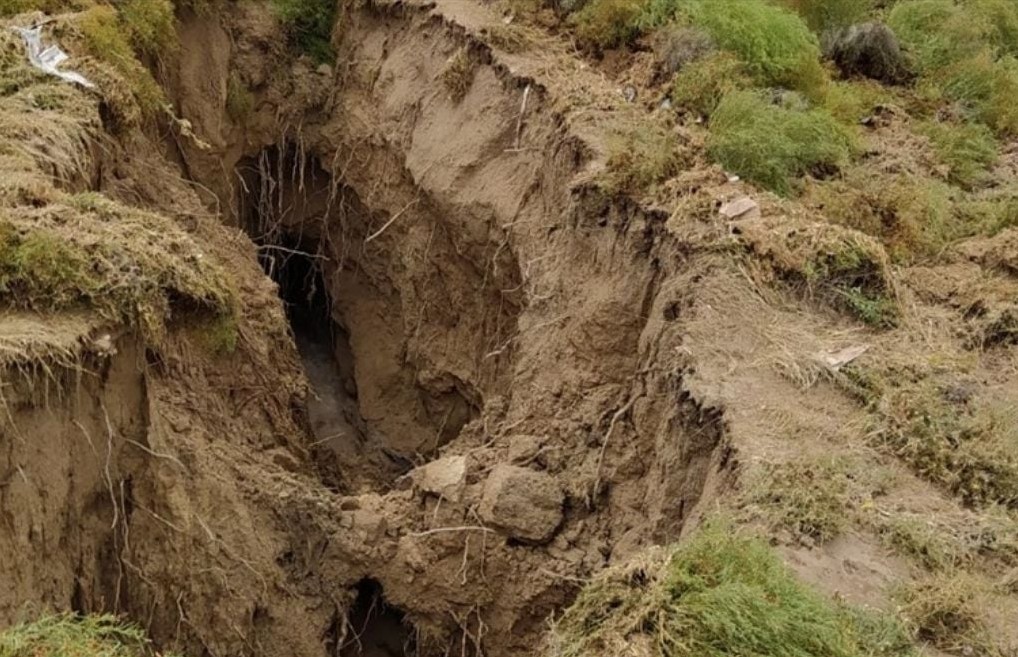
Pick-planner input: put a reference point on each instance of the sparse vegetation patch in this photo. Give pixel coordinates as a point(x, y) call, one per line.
point(309, 26)
point(721, 593)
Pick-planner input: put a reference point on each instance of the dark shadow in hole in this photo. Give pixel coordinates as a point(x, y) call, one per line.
point(378, 629)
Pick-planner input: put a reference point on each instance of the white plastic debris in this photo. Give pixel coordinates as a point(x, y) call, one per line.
point(50, 58)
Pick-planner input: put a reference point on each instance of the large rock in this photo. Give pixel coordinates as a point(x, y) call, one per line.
point(525, 504)
point(868, 49)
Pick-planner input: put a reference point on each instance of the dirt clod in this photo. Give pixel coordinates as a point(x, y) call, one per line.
point(445, 477)
point(525, 504)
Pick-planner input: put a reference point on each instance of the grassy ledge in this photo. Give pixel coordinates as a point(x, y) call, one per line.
point(721, 593)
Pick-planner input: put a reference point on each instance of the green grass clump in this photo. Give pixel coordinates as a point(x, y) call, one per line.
point(608, 23)
point(771, 145)
point(309, 26)
point(640, 156)
point(968, 149)
point(127, 264)
point(774, 43)
point(40, 266)
point(108, 39)
point(70, 635)
point(720, 594)
point(966, 54)
point(700, 85)
point(823, 15)
point(832, 264)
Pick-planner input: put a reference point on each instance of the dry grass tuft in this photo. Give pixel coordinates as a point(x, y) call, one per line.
point(974, 453)
point(809, 497)
point(640, 156)
point(843, 268)
point(458, 74)
point(70, 635)
point(949, 611)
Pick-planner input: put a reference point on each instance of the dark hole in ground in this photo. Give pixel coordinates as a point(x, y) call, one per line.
point(284, 208)
point(375, 628)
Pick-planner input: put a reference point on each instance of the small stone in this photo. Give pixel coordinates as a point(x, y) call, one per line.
point(325, 70)
point(741, 208)
point(629, 93)
point(444, 477)
point(525, 504)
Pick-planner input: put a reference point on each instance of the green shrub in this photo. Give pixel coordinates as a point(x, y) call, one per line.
point(699, 86)
point(966, 148)
point(69, 635)
point(823, 15)
point(608, 23)
point(774, 43)
point(1001, 20)
point(985, 86)
point(309, 26)
point(719, 594)
point(938, 32)
point(769, 144)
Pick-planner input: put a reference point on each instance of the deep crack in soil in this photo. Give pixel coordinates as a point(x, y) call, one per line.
point(498, 402)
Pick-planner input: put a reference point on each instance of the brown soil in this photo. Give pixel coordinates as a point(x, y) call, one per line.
point(454, 286)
